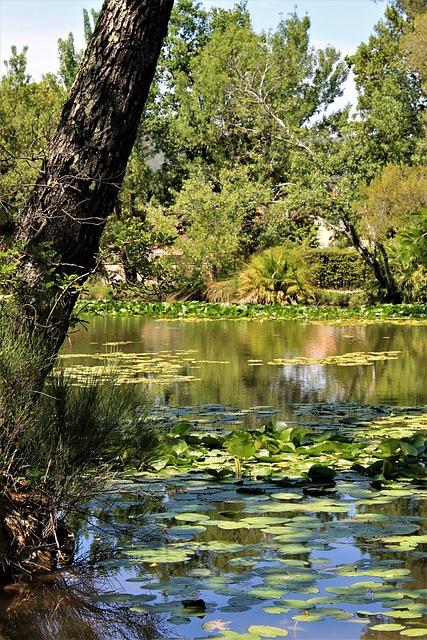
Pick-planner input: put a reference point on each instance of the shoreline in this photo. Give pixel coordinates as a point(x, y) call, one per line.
point(400, 313)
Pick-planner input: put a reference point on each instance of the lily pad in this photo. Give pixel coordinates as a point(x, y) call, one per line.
point(387, 627)
point(267, 632)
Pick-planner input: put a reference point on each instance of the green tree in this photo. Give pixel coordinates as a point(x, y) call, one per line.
point(391, 99)
point(29, 113)
point(69, 58)
point(392, 216)
point(253, 96)
point(348, 153)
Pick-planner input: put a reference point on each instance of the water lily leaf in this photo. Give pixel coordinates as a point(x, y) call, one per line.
point(191, 517)
point(266, 593)
point(187, 530)
point(163, 555)
point(387, 627)
point(287, 496)
point(414, 633)
point(404, 614)
point(299, 604)
point(267, 632)
point(240, 444)
point(259, 522)
point(232, 525)
point(338, 614)
point(294, 549)
point(275, 610)
point(222, 547)
point(202, 573)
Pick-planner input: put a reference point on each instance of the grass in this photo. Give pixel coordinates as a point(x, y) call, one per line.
point(216, 311)
point(58, 443)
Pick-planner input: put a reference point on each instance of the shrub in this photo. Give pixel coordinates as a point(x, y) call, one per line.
point(277, 275)
point(341, 298)
point(57, 443)
point(415, 287)
point(338, 269)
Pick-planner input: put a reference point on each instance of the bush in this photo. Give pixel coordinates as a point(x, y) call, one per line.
point(415, 287)
point(338, 269)
point(341, 298)
point(278, 275)
point(57, 443)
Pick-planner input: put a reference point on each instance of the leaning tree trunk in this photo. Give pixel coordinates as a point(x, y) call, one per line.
point(380, 269)
point(61, 225)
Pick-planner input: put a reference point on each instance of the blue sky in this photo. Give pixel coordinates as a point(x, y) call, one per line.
point(39, 24)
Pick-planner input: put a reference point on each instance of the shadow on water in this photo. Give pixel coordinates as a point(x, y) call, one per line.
point(64, 607)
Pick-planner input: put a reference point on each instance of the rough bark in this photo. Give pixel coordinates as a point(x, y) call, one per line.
point(61, 225)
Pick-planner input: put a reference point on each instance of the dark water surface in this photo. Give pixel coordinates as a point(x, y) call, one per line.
point(324, 570)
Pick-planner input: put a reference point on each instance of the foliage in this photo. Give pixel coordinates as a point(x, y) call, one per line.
point(390, 97)
point(215, 217)
point(29, 112)
point(393, 215)
point(320, 453)
point(57, 443)
point(237, 109)
point(278, 275)
point(335, 268)
point(215, 534)
point(69, 58)
point(229, 110)
point(130, 242)
point(414, 44)
point(343, 298)
point(393, 200)
point(215, 311)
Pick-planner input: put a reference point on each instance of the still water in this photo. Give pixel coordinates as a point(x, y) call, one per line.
point(275, 563)
point(229, 360)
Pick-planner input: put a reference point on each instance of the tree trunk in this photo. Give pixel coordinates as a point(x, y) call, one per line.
point(61, 225)
point(380, 270)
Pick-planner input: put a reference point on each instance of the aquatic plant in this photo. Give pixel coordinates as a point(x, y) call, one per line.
point(214, 311)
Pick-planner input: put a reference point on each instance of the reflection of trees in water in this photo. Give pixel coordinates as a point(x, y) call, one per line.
point(237, 383)
point(400, 509)
point(65, 608)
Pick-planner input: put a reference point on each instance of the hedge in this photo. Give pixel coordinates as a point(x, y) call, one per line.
point(338, 269)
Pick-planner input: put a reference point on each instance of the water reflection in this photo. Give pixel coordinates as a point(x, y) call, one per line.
point(65, 608)
point(244, 383)
point(143, 599)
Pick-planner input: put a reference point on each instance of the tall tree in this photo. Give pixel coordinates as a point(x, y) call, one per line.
point(69, 58)
point(60, 227)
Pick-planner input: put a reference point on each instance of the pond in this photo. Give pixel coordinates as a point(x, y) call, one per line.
point(180, 554)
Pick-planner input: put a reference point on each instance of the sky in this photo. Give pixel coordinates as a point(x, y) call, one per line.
point(39, 24)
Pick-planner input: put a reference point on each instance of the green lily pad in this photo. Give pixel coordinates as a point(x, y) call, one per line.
point(404, 614)
point(191, 517)
point(275, 610)
point(159, 556)
point(387, 627)
point(199, 573)
point(267, 632)
point(232, 525)
point(414, 633)
point(266, 593)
